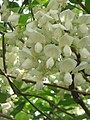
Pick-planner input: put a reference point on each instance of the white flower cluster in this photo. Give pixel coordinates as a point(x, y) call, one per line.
point(55, 42)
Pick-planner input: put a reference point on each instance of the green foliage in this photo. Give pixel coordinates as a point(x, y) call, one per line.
point(23, 19)
point(2, 28)
point(18, 108)
point(75, 1)
point(87, 4)
point(13, 6)
point(22, 116)
point(3, 97)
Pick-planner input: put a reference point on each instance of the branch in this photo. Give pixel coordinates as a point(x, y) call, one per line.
point(10, 26)
point(53, 85)
point(30, 9)
point(78, 100)
point(50, 103)
point(18, 92)
point(6, 116)
point(82, 6)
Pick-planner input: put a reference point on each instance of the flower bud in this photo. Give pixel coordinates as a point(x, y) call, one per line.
point(14, 19)
point(50, 63)
point(78, 79)
point(67, 51)
point(84, 53)
point(38, 47)
point(68, 79)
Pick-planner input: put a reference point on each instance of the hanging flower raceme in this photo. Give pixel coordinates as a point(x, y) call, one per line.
point(55, 42)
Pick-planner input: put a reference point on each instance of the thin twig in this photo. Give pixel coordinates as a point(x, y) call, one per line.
point(82, 6)
point(78, 99)
point(10, 26)
point(51, 103)
point(53, 85)
point(30, 9)
point(18, 92)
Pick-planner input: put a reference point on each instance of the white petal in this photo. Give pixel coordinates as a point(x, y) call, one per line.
point(38, 47)
point(67, 15)
point(67, 65)
point(27, 64)
point(84, 53)
point(65, 40)
point(78, 78)
point(67, 51)
point(14, 19)
point(68, 79)
point(87, 69)
point(53, 4)
point(51, 50)
point(39, 84)
point(84, 19)
point(83, 28)
point(50, 63)
point(81, 66)
point(84, 42)
point(37, 37)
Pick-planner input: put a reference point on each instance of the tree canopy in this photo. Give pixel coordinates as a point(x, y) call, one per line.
point(45, 60)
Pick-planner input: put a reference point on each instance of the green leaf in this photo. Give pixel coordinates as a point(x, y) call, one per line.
point(3, 97)
point(75, 1)
point(69, 6)
point(87, 4)
point(23, 19)
point(18, 108)
point(18, 83)
point(22, 116)
point(40, 2)
point(2, 28)
point(13, 5)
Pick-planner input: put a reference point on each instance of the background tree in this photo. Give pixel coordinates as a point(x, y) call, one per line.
point(45, 60)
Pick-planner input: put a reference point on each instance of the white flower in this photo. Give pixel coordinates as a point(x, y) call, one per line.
point(38, 47)
point(68, 79)
point(54, 14)
point(84, 19)
point(84, 53)
point(39, 84)
point(44, 19)
point(53, 4)
point(14, 19)
point(67, 51)
point(10, 59)
point(83, 65)
point(39, 14)
point(5, 13)
point(78, 78)
point(68, 25)
point(83, 28)
point(27, 64)
point(50, 63)
point(6, 107)
point(36, 36)
point(65, 40)
point(67, 65)
point(51, 50)
point(67, 16)
point(87, 69)
point(84, 42)
point(30, 27)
